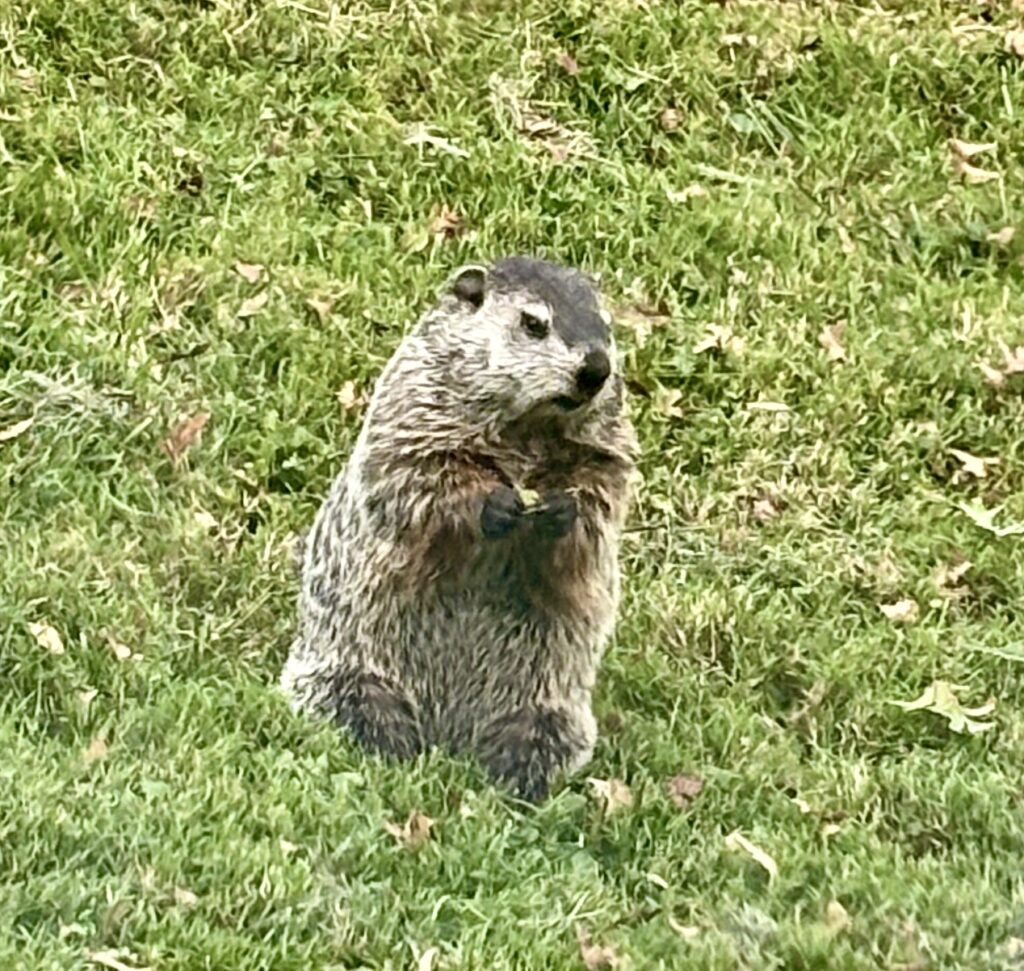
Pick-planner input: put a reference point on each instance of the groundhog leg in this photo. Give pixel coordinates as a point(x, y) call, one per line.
point(379, 715)
point(527, 749)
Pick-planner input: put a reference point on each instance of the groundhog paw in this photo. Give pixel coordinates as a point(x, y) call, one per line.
point(555, 515)
point(502, 512)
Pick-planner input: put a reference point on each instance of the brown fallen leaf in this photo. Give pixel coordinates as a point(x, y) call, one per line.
point(447, 223)
point(972, 464)
point(736, 841)
point(992, 375)
point(250, 272)
point(947, 578)
point(940, 698)
point(85, 698)
point(253, 305)
point(831, 338)
point(693, 191)
point(846, 243)
point(184, 897)
point(772, 407)
point(1002, 237)
point(967, 150)
point(614, 794)
point(687, 933)
point(837, 920)
point(96, 750)
point(683, 789)
point(46, 637)
point(670, 119)
point(1013, 358)
point(764, 509)
point(414, 832)
point(18, 428)
point(567, 63)
point(350, 397)
point(719, 338)
point(426, 959)
point(121, 650)
point(184, 435)
point(110, 959)
point(596, 956)
point(1013, 43)
point(321, 306)
point(904, 611)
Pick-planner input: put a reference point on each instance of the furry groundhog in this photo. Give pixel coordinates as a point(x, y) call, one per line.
point(461, 578)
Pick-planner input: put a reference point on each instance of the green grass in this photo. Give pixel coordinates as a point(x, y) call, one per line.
point(147, 146)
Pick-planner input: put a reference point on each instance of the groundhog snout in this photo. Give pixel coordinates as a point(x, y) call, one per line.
point(596, 367)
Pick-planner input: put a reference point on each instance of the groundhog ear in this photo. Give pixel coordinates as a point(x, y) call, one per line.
point(469, 284)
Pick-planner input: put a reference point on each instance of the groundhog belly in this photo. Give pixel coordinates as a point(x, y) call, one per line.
point(468, 659)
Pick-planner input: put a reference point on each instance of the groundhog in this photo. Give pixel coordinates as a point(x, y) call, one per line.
point(461, 578)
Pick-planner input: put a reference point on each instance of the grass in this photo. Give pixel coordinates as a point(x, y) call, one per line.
point(168, 811)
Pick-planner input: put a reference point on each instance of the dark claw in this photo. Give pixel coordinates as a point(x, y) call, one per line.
point(502, 512)
point(556, 515)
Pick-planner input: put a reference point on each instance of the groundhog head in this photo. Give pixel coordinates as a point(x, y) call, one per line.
point(532, 339)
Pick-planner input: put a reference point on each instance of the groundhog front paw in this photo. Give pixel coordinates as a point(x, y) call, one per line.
point(502, 512)
point(555, 515)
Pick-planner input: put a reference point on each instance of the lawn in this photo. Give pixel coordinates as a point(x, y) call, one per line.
point(229, 211)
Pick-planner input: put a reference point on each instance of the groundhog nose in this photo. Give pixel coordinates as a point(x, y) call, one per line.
point(595, 371)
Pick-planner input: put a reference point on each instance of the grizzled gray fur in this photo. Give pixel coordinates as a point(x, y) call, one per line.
point(442, 603)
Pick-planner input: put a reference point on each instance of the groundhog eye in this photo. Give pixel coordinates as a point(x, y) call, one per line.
point(534, 326)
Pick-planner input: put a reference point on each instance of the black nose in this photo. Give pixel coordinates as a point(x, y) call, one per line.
point(595, 371)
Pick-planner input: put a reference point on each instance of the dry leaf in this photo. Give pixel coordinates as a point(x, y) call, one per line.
point(567, 63)
point(614, 793)
point(205, 520)
point(184, 435)
point(966, 150)
point(121, 651)
point(718, 338)
point(693, 191)
point(775, 407)
point(321, 306)
point(253, 305)
point(185, 898)
point(447, 223)
point(421, 136)
point(837, 920)
point(666, 402)
point(250, 272)
point(992, 375)
point(831, 338)
point(596, 956)
point(904, 611)
point(764, 509)
point(350, 397)
point(110, 959)
point(1013, 359)
point(683, 789)
point(85, 698)
point(940, 697)
point(97, 750)
point(287, 846)
point(18, 428)
point(736, 841)
point(686, 933)
point(46, 637)
point(947, 578)
point(961, 152)
point(985, 518)
point(426, 959)
point(829, 829)
point(1014, 42)
point(1002, 237)
point(972, 464)
point(670, 119)
point(414, 832)
point(846, 243)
